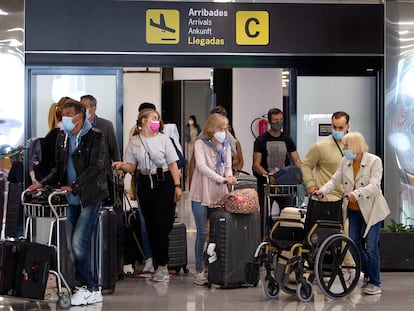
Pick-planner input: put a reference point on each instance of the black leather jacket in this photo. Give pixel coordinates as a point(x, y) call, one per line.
point(89, 162)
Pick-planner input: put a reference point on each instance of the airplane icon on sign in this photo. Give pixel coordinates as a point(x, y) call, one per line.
point(162, 24)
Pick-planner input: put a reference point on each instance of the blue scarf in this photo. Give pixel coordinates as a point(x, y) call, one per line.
point(221, 156)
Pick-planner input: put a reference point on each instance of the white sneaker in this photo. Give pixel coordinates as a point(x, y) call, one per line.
point(128, 269)
point(371, 289)
point(148, 267)
point(200, 278)
point(82, 296)
point(161, 275)
point(96, 297)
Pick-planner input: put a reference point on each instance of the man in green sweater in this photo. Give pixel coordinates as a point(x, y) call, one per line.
point(324, 157)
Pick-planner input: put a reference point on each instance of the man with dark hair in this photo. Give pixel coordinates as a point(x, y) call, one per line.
point(324, 156)
point(272, 151)
point(112, 152)
point(79, 170)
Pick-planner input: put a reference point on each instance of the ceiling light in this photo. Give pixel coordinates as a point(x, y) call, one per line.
point(3, 12)
point(12, 42)
point(16, 29)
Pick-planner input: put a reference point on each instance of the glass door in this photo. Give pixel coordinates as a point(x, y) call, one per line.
point(46, 85)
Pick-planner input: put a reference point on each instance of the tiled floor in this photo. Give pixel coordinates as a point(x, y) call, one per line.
point(134, 293)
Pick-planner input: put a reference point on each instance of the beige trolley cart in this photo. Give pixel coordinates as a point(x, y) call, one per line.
point(306, 246)
point(53, 212)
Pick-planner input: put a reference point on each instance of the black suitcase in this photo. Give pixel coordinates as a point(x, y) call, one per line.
point(236, 237)
point(32, 270)
point(116, 189)
point(9, 254)
point(104, 250)
point(14, 213)
point(177, 250)
point(120, 240)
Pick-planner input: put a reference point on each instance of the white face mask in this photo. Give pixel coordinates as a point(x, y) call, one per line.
point(191, 122)
point(220, 136)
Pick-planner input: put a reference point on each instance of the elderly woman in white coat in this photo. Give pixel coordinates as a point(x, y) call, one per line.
point(361, 172)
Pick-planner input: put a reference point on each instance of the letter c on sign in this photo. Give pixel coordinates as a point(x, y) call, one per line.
point(246, 27)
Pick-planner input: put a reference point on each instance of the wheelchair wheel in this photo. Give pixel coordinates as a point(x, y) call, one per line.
point(304, 291)
point(271, 288)
point(337, 266)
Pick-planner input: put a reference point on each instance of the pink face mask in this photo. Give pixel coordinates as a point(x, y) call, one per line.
point(154, 126)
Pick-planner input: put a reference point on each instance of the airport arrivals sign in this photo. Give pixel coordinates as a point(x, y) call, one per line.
point(99, 27)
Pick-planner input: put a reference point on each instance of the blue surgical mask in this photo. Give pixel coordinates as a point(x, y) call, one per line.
point(67, 124)
point(349, 155)
point(337, 135)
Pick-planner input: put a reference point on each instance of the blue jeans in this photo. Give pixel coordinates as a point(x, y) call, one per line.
point(200, 218)
point(368, 246)
point(80, 225)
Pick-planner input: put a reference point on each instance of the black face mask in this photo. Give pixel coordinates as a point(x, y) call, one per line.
point(277, 126)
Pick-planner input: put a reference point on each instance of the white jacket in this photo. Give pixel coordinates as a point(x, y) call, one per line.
point(366, 187)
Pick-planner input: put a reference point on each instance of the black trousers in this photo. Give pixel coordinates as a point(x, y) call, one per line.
point(158, 207)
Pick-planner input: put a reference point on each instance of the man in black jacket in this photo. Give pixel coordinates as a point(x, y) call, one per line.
point(79, 170)
point(112, 153)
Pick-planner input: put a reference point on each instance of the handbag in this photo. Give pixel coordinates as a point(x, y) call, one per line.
point(241, 201)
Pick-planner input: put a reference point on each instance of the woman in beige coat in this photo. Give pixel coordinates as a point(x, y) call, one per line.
point(361, 172)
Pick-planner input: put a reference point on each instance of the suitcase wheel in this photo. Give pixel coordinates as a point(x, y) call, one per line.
point(64, 301)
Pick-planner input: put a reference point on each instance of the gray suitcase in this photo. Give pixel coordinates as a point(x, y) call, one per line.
point(236, 237)
point(245, 180)
point(177, 250)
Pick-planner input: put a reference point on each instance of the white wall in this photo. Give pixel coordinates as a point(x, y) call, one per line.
point(321, 96)
point(139, 87)
point(192, 73)
point(255, 91)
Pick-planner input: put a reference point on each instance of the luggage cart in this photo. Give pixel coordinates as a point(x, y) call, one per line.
point(55, 211)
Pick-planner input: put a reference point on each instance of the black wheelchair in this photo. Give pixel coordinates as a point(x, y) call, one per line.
point(307, 245)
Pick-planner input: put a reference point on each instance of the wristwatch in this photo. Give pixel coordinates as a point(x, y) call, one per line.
point(177, 185)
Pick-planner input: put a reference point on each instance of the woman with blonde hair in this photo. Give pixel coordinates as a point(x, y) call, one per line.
point(361, 172)
point(48, 143)
point(159, 188)
point(212, 173)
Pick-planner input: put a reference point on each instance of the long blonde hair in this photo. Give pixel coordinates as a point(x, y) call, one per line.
point(55, 112)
